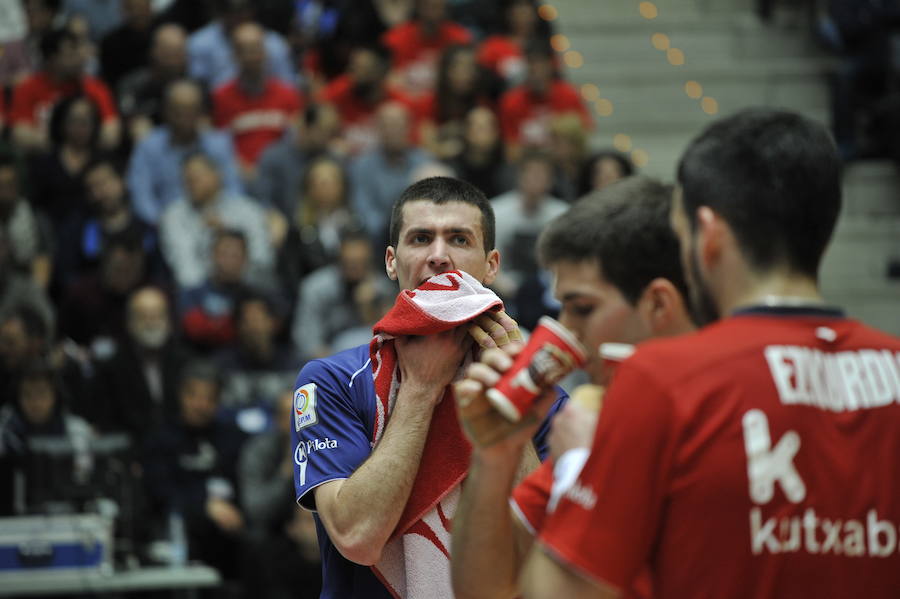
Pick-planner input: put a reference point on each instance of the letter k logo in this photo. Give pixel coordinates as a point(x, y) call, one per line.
point(765, 464)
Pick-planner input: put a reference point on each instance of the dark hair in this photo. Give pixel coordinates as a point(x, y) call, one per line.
point(451, 105)
point(774, 177)
point(200, 370)
point(441, 190)
point(542, 28)
point(105, 160)
point(625, 228)
point(534, 154)
point(586, 176)
point(200, 155)
point(229, 233)
point(52, 41)
point(61, 112)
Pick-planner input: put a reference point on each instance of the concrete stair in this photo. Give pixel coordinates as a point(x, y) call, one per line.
point(740, 63)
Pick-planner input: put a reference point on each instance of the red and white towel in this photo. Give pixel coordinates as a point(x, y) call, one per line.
point(415, 561)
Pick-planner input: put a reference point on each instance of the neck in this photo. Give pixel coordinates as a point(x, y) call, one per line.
point(781, 288)
point(251, 85)
point(183, 138)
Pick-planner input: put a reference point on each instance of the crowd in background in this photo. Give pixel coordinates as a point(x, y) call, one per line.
point(194, 201)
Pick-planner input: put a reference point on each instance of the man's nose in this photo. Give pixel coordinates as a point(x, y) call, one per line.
point(438, 256)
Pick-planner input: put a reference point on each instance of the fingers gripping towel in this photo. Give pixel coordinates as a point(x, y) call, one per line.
point(415, 561)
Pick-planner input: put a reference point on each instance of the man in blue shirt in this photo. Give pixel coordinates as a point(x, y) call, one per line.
point(359, 492)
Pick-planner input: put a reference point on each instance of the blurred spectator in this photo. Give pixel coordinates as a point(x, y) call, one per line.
point(258, 365)
point(381, 174)
point(255, 107)
point(190, 469)
point(603, 168)
point(141, 92)
point(125, 49)
point(568, 147)
point(24, 338)
point(322, 213)
point(188, 226)
point(503, 53)
point(359, 93)
point(282, 535)
point(283, 164)
point(417, 44)
point(135, 387)
point(39, 412)
point(211, 59)
point(344, 299)
point(155, 177)
point(110, 215)
point(461, 86)
point(15, 60)
point(80, 27)
point(17, 289)
point(482, 161)
point(27, 233)
point(206, 311)
point(62, 74)
point(101, 16)
point(526, 110)
point(93, 310)
point(58, 184)
point(41, 16)
point(521, 215)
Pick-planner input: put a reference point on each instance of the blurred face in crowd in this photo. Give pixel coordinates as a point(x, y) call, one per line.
point(437, 238)
point(81, 28)
point(68, 62)
point(229, 259)
point(482, 129)
point(122, 268)
point(595, 311)
point(199, 402)
point(606, 170)
point(521, 18)
point(80, 124)
point(201, 180)
point(366, 69)
point(462, 72)
point(9, 187)
point(326, 186)
point(535, 178)
point(105, 189)
point(184, 107)
point(394, 127)
point(37, 399)
point(432, 12)
point(169, 51)
point(137, 13)
point(355, 259)
point(540, 73)
point(326, 126)
point(257, 325)
point(250, 50)
point(40, 16)
point(14, 343)
point(148, 318)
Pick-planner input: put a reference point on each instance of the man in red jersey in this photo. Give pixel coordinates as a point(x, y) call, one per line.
point(62, 74)
point(255, 106)
point(527, 110)
point(417, 44)
point(756, 457)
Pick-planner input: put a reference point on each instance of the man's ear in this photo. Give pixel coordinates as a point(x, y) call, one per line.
point(659, 305)
point(493, 267)
point(710, 234)
point(390, 260)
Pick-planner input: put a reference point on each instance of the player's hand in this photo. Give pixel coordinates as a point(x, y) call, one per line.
point(429, 363)
point(225, 515)
point(574, 425)
point(494, 329)
point(488, 430)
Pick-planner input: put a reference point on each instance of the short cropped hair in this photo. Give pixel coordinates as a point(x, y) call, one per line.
point(625, 228)
point(442, 190)
point(774, 177)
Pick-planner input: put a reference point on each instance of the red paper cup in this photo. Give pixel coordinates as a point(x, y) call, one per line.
point(613, 354)
point(552, 352)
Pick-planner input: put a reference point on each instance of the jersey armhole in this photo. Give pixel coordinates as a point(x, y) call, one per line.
point(521, 517)
point(308, 500)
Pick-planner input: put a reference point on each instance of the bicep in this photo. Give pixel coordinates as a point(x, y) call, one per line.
point(543, 576)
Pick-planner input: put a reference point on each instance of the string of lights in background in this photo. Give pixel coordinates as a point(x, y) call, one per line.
point(604, 106)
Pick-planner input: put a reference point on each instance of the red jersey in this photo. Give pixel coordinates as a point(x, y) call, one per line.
point(255, 121)
point(502, 55)
point(525, 117)
point(756, 458)
point(34, 97)
point(357, 116)
point(415, 57)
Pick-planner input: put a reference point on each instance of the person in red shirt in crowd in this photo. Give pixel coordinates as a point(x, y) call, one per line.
point(359, 93)
point(62, 74)
point(614, 260)
point(504, 53)
point(526, 110)
point(417, 44)
point(255, 107)
point(755, 458)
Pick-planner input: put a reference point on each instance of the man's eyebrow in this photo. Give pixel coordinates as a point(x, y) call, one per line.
point(571, 296)
point(418, 230)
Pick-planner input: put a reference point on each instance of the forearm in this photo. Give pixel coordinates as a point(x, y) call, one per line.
point(369, 504)
point(484, 555)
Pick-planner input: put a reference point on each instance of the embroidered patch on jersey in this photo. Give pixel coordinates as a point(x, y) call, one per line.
point(305, 407)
